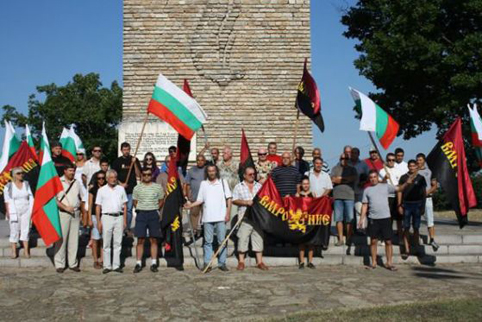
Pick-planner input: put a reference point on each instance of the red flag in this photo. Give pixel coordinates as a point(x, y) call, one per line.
point(246, 160)
point(186, 88)
point(308, 98)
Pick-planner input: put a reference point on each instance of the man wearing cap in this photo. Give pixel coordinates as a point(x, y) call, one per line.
point(374, 162)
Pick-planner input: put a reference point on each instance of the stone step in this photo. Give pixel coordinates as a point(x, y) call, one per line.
point(270, 261)
point(358, 250)
point(449, 239)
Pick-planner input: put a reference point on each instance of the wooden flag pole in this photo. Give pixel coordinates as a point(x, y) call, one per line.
point(220, 248)
point(296, 129)
point(137, 147)
point(380, 155)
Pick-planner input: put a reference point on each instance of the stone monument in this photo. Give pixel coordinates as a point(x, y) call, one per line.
point(242, 58)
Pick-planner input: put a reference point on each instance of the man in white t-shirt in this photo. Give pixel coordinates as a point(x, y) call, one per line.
point(401, 165)
point(215, 196)
point(92, 165)
point(394, 174)
point(111, 202)
point(320, 181)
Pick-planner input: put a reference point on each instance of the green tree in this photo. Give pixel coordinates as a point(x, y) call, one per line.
point(424, 57)
point(95, 110)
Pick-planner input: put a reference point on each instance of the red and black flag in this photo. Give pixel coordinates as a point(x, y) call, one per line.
point(449, 167)
point(245, 157)
point(295, 220)
point(183, 144)
point(171, 223)
point(308, 99)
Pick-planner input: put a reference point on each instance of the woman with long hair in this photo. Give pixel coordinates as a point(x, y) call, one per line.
point(150, 162)
point(305, 192)
point(19, 204)
point(96, 237)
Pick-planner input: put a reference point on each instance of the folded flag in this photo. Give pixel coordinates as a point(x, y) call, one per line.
point(476, 129)
point(375, 119)
point(174, 106)
point(245, 157)
point(45, 214)
point(449, 167)
point(71, 143)
point(29, 140)
point(11, 144)
point(308, 99)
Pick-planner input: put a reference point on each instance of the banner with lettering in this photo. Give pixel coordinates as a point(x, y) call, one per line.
point(26, 160)
point(449, 167)
point(295, 220)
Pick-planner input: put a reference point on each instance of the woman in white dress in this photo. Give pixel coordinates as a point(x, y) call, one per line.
point(19, 204)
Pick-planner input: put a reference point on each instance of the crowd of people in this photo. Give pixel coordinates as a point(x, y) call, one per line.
point(370, 197)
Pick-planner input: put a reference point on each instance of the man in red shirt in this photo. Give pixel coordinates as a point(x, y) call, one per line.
point(272, 156)
point(374, 163)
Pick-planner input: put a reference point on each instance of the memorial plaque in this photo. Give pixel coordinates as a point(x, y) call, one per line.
point(158, 137)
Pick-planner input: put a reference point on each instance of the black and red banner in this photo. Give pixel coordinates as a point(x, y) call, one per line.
point(295, 220)
point(25, 159)
point(308, 99)
point(448, 164)
point(171, 223)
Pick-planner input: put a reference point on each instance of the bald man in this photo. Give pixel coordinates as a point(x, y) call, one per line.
point(286, 177)
point(263, 166)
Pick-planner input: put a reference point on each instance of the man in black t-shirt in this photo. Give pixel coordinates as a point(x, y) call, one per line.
point(122, 165)
point(410, 203)
point(286, 177)
point(58, 159)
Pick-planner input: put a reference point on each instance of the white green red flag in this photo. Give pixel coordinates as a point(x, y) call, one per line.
point(71, 143)
point(29, 140)
point(45, 213)
point(476, 129)
point(174, 106)
point(11, 144)
point(375, 119)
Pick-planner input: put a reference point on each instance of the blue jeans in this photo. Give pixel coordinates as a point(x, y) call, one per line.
point(412, 210)
point(209, 227)
point(130, 204)
point(343, 209)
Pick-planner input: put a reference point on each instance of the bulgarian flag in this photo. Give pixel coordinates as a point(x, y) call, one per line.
point(71, 143)
point(11, 144)
point(174, 106)
point(29, 140)
point(375, 119)
point(45, 213)
point(476, 129)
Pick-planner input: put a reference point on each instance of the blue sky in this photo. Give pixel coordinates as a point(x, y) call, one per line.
point(50, 41)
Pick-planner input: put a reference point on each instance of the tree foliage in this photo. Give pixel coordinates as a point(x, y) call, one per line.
point(424, 57)
point(95, 110)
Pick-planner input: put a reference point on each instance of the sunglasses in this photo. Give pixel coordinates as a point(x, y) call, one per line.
point(261, 154)
point(149, 159)
point(147, 174)
point(341, 159)
point(101, 178)
point(96, 150)
point(80, 154)
point(20, 173)
point(391, 160)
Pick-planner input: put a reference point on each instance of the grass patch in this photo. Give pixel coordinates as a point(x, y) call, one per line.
point(446, 310)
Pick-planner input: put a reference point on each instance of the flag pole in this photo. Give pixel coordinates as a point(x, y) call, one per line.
point(137, 147)
point(220, 248)
point(296, 128)
point(378, 151)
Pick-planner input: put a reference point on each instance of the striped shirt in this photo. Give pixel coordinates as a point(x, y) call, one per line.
point(148, 196)
point(325, 169)
point(286, 179)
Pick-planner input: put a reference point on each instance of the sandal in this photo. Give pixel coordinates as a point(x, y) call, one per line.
point(392, 268)
point(370, 267)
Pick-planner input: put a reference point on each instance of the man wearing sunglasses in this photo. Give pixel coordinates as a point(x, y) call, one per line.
point(93, 164)
point(263, 166)
point(148, 198)
point(394, 174)
point(344, 178)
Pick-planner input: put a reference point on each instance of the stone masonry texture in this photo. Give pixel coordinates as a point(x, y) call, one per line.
point(243, 59)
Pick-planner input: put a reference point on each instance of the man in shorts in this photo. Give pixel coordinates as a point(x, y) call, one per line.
point(148, 198)
point(375, 204)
